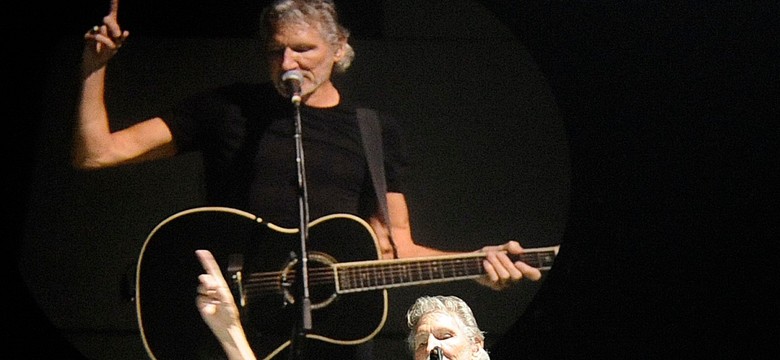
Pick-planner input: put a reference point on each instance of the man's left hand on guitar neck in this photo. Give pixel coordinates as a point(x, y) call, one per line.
point(501, 270)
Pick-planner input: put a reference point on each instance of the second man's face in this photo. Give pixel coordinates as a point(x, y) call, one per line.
point(445, 332)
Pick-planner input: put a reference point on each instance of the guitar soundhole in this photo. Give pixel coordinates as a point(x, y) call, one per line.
point(322, 285)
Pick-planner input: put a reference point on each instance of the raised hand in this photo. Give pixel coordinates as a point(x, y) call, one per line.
point(103, 41)
point(218, 309)
point(215, 301)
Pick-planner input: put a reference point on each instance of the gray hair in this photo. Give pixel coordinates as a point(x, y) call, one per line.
point(447, 305)
point(321, 12)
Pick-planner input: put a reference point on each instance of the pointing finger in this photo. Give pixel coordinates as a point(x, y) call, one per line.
point(210, 265)
point(114, 9)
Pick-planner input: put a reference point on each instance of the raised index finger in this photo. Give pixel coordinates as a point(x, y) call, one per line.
point(113, 11)
point(210, 265)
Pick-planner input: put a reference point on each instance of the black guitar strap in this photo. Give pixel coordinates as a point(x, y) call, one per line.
point(371, 133)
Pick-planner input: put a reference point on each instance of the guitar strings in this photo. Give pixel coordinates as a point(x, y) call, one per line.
point(361, 276)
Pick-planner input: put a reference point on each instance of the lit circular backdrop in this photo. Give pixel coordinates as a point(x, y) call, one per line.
point(489, 154)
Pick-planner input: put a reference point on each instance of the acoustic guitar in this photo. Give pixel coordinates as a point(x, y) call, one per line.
point(347, 282)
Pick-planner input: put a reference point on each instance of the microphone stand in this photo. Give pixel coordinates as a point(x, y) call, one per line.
point(435, 354)
point(302, 280)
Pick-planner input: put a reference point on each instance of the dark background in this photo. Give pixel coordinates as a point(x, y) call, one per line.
point(668, 109)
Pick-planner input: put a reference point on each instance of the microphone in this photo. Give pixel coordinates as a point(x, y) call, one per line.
point(436, 354)
point(292, 80)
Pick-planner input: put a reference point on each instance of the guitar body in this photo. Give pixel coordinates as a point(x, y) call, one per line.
point(167, 279)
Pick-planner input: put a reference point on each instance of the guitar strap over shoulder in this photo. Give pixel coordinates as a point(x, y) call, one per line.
point(371, 134)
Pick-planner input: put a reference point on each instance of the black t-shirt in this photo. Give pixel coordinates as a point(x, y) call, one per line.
point(246, 135)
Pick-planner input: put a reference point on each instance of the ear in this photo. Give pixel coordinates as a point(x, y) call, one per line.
point(339, 51)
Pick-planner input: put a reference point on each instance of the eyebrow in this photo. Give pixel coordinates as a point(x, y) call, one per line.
point(436, 332)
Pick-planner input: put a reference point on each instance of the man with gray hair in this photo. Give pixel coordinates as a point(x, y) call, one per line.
point(444, 327)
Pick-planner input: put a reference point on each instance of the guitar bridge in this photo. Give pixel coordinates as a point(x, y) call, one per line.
point(286, 279)
point(234, 270)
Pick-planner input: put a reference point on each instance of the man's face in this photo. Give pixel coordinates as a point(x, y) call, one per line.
point(302, 47)
point(445, 332)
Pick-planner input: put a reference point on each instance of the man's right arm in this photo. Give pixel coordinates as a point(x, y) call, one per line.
point(94, 145)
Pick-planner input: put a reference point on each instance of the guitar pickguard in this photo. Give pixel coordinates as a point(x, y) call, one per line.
point(167, 272)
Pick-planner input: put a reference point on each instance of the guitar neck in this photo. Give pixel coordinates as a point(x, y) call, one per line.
point(382, 274)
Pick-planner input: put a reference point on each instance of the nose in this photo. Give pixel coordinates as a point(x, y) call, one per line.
point(290, 59)
point(432, 343)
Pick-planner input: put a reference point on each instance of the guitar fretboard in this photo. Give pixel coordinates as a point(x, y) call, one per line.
point(382, 274)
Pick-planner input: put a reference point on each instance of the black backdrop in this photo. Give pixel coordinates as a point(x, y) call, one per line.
point(672, 217)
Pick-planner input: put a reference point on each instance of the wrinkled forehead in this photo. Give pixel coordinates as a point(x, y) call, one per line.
point(296, 35)
point(297, 26)
point(298, 20)
point(436, 322)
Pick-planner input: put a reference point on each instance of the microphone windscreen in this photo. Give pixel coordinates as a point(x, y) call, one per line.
point(292, 75)
point(292, 81)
